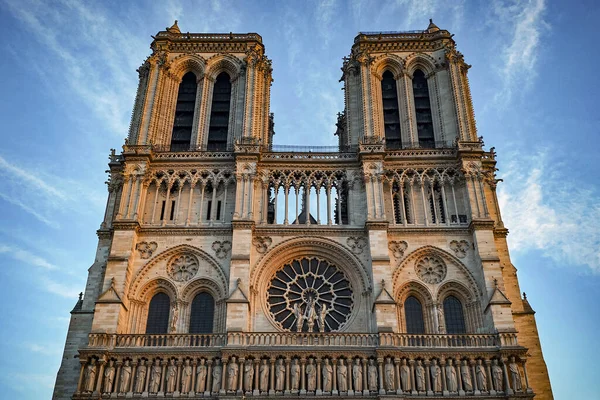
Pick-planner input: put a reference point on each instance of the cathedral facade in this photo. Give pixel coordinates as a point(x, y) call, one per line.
point(228, 266)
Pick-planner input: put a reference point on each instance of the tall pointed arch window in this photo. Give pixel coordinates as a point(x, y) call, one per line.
point(184, 113)
point(413, 312)
point(203, 312)
point(391, 111)
point(453, 315)
point(158, 314)
point(423, 110)
point(219, 113)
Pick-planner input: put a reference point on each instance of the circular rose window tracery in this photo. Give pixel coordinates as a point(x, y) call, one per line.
point(310, 295)
point(182, 268)
point(431, 269)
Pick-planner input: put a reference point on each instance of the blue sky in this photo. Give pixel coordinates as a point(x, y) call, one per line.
point(68, 82)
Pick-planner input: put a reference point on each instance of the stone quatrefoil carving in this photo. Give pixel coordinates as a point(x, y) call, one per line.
point(398, 248)
point(356, 244)
point(146, 249)
point(183, 267)
point(262, 243)
point(430, 269)
point(221, 248)
point(460, 248)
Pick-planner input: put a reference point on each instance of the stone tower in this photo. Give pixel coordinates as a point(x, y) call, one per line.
point(228, 266)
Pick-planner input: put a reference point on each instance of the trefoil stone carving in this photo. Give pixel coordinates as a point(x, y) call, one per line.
point(221, 248)
point(398, 248)
point(146, 249)
point(183, 267)
point(262, 243)
point(460, 248)
point(356, 244)
point(430, 269)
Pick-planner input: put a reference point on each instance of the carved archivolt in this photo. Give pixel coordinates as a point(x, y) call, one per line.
point(206, 266)
point(224, 63)
point(416, 176)
point(156, 286)
point(387, 62)
point(448, 259)
point(176, 178)
point(185, 63)
point(421, 61)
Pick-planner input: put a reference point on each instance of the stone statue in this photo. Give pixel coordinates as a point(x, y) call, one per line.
point(481, 376)
point(327, 376)
point(264, 376)
point(441, 320)
point(405, 376)
point(497, 376)
point(342, 376)
point(372, 376)
point(217, 374)
point(311, 376)
point(140, 376)
point(125, 377)
point(436, 376)
point(90, 377)
point(279, 375)
point(389, 374)
point(420, 377)
point(171, 376)
point(109, 377)
point(174, 317)
point(357, 375)
point(186, 377)
point(322, 315)
point(299, 318)
point(232, 374)
point(248, 375)
point(155, 374)
point(465, 375)
point(310, 316)
point(201, 373)
point(451, 376)
point(515, 375)
point(295, 372)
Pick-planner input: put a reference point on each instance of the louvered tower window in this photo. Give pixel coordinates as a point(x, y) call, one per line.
point(219, 113)
point(423, 110)
point(454, 316)
point(158, 314)
point(391, 112)
point(413, 312)
point(203, 312)
point(184, 113)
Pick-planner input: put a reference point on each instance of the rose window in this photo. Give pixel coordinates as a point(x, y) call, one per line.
point(310, 295)
point(431, 269)
point(182, 268)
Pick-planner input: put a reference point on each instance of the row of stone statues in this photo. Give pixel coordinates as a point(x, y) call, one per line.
point(366, 376)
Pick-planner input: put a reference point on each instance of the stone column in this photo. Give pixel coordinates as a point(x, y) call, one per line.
point(427, 365)
point(117, 376)
point(134, 365)
point(461, 392)
point(100, 377)
point(380, 370)
point(192, 391)
point(507, 389)
point(162, 378)
point(241, 374)
point(256, 390)
point(490, 383)
point(287, 376)
point(476, 390)
point(272, 377)
point(81, 372)
point(208, 387)
point(224, 363)
point(303, 376)
point(444, 383)
point(319, 387)
point(527, 388)
point(365, 377)
point(412, 377)
point(397, 380)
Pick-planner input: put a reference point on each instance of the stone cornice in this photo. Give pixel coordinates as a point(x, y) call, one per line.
point(126, 225)
point(429, 230)
point(500, 232)
point(299, 230)
point(243, 224)
point(377, 225)
point(186, 231)
point(481, 224)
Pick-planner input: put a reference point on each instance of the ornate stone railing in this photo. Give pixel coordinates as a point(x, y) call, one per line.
point(286, 339)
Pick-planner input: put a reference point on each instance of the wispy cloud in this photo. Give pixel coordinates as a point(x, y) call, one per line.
point(62, 289)
point(524, 20)
point(47, 350)
point(29, 178)
point(546, 211)
point(26, 257)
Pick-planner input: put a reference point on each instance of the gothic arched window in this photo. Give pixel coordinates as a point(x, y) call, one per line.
point(158, 314)
point(453, 315)
point(203, 312)
point(423, 110)
point(219, 113)
point(413, 312)
point(391, 111)
point(184, 113)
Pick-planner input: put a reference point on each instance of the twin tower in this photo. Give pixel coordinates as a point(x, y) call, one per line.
point(229, 267)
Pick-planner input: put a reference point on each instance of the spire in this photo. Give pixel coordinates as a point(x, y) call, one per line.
point(174, 28)
point(432, 27)
point(526, 306)
point(79, 303)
